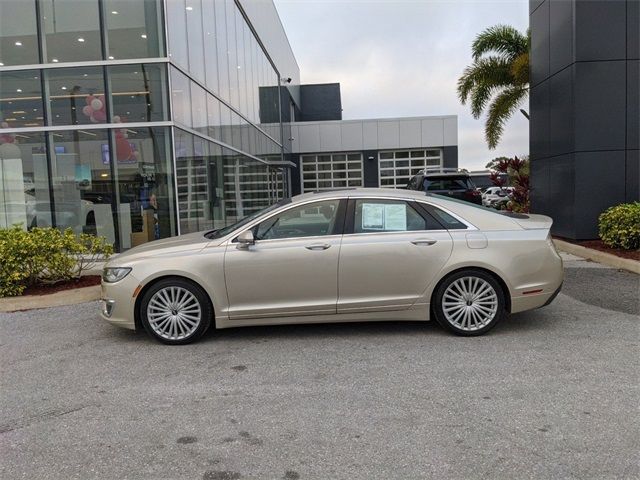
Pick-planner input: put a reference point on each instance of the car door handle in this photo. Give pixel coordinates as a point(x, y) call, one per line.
point(423, 241)
point(318, 246)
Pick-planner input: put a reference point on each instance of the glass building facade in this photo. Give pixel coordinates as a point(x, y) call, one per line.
point(136, 120)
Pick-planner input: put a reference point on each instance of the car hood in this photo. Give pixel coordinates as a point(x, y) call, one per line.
point(166, 246)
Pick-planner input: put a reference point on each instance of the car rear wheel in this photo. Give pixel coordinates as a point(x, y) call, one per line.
point(470, 302)
point(175, 311)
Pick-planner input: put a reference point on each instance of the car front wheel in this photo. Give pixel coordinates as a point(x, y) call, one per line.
point(175, 311)
point(470, 302)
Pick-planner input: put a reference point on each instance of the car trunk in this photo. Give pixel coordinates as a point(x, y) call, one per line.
point(532, 221)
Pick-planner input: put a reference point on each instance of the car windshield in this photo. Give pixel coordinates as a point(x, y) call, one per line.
point(221, 232)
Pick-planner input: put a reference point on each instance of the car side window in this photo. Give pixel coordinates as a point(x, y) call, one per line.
point(309, 220)
point(375, 216)
point(449, 221)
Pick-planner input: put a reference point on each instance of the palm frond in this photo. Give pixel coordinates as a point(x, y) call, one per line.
point(500, 110)
point(490, 72)
point(502, 39)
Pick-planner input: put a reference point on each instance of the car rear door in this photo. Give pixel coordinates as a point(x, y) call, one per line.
point(391, 252)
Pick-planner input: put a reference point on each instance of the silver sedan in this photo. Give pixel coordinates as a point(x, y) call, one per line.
point(341, 256)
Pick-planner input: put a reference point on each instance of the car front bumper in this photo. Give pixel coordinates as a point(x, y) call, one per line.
point(117, 302)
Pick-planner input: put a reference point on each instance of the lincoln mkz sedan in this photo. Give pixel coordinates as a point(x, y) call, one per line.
point(339, 256)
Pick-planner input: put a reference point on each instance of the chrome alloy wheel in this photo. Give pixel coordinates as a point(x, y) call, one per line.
point(174, 313)
point(470, 303)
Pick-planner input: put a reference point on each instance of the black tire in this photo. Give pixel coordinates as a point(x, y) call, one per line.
point(206, 310)
point(491, 321)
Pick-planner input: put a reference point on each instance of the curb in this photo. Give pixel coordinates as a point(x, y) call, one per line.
point(66, 297)
point(598, 256)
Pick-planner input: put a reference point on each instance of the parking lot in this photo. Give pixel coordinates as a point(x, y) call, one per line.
point(551, 393)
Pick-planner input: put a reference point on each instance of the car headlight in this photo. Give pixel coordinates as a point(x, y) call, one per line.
point(115, 274)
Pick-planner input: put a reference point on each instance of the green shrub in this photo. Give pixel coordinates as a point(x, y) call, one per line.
point(620, 226)
point(45, 255)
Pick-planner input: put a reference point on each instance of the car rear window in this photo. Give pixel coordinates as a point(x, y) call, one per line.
point(460, 183)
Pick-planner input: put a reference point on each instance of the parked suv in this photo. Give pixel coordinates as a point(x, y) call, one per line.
point(495, 195)
point(450, 182)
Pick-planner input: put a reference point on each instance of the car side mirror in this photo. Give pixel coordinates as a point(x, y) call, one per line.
point(245, 239)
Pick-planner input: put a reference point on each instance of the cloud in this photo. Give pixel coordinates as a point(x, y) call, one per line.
point(402, 58)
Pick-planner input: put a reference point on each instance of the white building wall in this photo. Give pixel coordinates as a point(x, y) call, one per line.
point(376, 134)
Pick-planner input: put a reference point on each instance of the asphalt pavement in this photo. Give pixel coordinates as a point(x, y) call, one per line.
point(551, 393)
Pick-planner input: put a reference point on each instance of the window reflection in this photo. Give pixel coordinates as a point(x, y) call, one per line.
point(24, 181)
point(199, 108)
point(138, 92)
point(72, 30)
point(81, 182)
point(193, 9)
point(177, 32)
point(144, 178)
point(76, 96)
point(18, 33)
point(181, 96)
point(134, 28)
point(21, 99)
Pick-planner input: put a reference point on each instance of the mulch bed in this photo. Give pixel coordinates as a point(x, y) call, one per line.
point(598, 245)
point(85, 281)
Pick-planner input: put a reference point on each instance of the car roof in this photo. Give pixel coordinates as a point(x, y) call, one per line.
point(390, 193)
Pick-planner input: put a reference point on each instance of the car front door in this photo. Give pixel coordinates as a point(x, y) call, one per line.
point(391, 251)
point(292, 268)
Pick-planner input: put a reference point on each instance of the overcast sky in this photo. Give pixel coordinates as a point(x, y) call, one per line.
point(396, 58)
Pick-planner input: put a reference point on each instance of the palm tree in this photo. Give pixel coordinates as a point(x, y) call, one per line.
point(498, 78)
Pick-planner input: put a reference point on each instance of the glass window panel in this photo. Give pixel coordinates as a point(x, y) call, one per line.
point(181, 97)
point(213, 117)
point(232, 55)
point(386, 155)
point(144, 173)
point(402, 154)
point(241, 64)
point(433, 153)
point(221, 50)
point(226, 125)
point(134, 28)
point(76, 95)
point(177, 34)
point(18, 33)
point(24, 181)
point(72, 30)
point(81, 182)
point(236, 130)
point(139, 92)
point(194, 35)
point(21, 99)
point(417, 154)
point(199, 108)
point(210, 35)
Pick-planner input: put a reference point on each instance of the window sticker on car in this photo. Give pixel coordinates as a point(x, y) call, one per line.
point(381, 216)
point(373, 216)
point(395, 217)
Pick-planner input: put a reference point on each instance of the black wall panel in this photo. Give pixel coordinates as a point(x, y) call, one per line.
point(600, 112)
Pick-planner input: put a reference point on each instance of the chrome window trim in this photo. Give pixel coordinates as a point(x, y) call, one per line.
point(311, 237)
